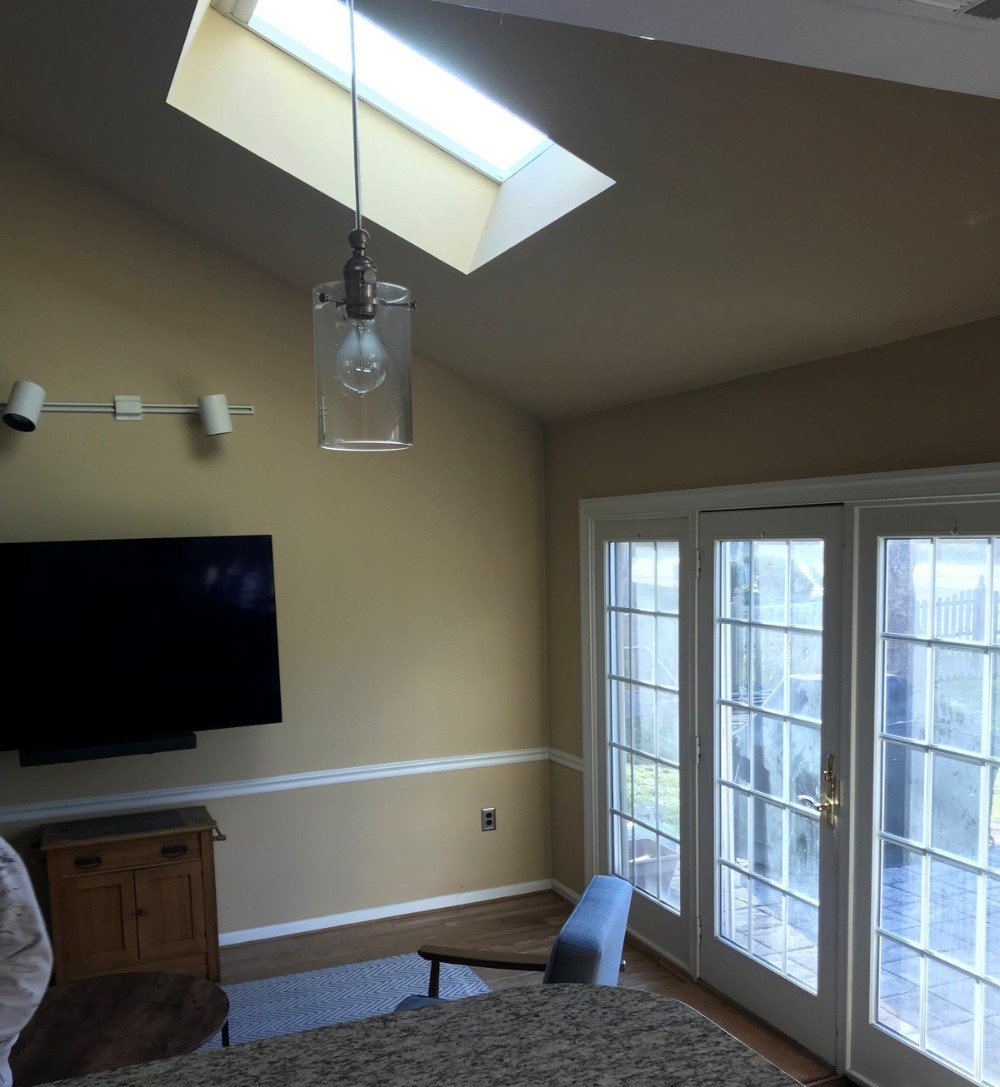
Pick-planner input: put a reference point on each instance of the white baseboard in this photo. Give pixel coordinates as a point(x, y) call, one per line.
point(566, 892)
point(657, 951)
point(375, 913)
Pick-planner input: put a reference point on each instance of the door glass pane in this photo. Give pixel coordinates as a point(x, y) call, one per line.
point(734, 913)
point(767, 926)
point(806, 584)
point(906, 681)
point(951, 1015)
point(768, 754)
point(803, 855)
point(903, 791)
point(803, 943)
point(937, 932)
point(768, 711)
point(642, 692)
point(667, 726)
point(900, 989)
point(959, 697)
point(991, 1031)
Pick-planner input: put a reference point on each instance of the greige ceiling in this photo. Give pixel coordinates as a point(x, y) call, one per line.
point(764, 214)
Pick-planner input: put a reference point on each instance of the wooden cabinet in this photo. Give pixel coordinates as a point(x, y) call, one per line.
point(134, 892)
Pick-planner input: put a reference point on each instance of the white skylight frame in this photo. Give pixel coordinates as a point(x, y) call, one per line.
point(439, 106)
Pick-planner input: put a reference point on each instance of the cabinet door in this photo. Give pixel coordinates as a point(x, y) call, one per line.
point(170, 906)
point(99, 930)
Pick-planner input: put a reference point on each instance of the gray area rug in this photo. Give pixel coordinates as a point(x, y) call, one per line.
point(339, 994)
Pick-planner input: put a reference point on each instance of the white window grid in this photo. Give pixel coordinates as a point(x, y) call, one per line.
point(729, 871)
point(980, 869)
point(621, 752)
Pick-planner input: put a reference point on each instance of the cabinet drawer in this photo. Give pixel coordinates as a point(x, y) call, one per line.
point(114, 856)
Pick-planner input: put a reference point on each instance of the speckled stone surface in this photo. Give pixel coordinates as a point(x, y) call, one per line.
point(551, 1035)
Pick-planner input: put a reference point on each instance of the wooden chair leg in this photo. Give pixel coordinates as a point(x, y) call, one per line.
point(435, 981)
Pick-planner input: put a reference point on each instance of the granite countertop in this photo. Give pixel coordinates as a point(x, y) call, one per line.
point(551, 1035)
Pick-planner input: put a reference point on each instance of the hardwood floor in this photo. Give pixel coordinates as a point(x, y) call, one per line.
point(526, 923)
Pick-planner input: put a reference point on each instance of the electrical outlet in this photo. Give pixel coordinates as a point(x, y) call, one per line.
point(489, 818)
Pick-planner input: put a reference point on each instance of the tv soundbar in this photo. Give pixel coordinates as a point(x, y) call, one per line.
point(146, 745)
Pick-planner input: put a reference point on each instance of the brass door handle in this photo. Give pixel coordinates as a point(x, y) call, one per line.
point(816, 805)
point(831, 794)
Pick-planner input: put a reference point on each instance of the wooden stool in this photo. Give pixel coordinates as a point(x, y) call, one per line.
point(116, 1020)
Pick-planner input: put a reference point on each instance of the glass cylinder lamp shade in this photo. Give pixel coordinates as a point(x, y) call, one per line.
point(363, 371)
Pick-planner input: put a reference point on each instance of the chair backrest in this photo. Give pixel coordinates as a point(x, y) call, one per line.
point(588, 948)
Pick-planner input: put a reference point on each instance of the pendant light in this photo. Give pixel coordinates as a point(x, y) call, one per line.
point(361, 339)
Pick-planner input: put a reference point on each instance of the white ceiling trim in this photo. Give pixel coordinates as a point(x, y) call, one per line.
point(832, 35)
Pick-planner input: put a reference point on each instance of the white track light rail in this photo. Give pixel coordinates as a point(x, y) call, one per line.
point(27, 402)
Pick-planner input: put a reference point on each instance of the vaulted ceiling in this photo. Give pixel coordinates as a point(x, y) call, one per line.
point(764, 214)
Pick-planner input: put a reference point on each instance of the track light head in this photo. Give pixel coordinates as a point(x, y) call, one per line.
point(24, 405)
point(214, 411)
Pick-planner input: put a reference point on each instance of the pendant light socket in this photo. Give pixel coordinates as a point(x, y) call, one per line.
point(360, 278)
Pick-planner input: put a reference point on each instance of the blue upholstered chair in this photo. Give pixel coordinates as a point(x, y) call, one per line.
point(588, 949)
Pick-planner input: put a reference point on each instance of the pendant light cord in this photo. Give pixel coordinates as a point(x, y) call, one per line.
point(358, 222)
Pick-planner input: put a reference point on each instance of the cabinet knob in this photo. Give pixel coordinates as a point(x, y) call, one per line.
point(141, 912)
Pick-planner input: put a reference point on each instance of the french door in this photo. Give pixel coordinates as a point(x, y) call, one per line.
point(926, 993)
point(795, 756)
point(769, 722)
point(645, 749)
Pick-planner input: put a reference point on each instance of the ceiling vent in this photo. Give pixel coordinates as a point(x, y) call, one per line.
point(974, 13)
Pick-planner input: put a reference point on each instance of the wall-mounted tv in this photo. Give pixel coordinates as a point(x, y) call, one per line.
point(121, 646)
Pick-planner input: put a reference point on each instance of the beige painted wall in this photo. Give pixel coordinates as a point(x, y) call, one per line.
point(566, 822)
point(409, 585)
point(919, 403)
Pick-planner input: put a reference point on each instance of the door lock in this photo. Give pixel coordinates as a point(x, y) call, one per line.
point(831, 793)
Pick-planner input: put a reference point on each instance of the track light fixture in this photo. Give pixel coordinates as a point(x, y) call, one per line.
point(27, 401)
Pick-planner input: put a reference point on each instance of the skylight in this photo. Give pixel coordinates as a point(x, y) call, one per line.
point(399, 81)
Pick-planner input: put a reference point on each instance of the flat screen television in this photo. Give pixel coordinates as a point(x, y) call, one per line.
point(122, 646)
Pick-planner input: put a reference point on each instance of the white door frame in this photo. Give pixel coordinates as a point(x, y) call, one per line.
point(852, 492)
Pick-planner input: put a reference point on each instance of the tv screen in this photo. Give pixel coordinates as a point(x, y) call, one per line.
point(123, 640)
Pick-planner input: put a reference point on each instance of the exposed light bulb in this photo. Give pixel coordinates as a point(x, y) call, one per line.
point(361, 358)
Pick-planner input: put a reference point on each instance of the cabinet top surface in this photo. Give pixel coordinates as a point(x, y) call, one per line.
point(143, 824)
